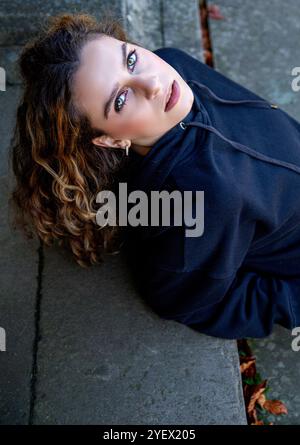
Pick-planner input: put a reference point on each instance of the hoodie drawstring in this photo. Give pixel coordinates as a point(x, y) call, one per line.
point(262, 102)
point(235, 144)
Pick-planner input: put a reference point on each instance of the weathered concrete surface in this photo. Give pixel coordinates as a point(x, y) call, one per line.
point(143, 22)
point(181, 26)
point(102, 355)
point(280, 365)
point(258, 46)
point(105, 358)
point(18, 286)
point(21, 20)
point(160, 23)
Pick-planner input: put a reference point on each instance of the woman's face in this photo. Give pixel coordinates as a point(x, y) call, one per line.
point(138, 82)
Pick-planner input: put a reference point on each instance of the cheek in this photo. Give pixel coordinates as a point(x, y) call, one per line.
point(138, 125)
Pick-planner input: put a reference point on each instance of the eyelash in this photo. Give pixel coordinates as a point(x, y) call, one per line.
point(125, 101)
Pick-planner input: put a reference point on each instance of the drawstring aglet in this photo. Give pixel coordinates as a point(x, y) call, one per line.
point(274, 106)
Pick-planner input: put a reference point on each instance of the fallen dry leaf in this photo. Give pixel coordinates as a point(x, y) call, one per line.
point(275, 407)
point(254, 394)
point(257, 392)
point(262, 400)
point(214, 12)
point(246, 365)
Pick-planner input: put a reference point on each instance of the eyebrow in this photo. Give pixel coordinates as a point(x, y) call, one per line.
point(108, 104)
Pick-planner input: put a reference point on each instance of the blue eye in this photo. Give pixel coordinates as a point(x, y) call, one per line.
point(119, 104)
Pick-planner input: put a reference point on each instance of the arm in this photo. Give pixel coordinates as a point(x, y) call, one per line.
point(245, 304)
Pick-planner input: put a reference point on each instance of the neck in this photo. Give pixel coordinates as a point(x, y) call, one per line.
point(140, 149)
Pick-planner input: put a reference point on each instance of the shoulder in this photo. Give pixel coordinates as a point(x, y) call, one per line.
point(165, 50)
point(191, 67)
point(173, 52)
point(182, 60)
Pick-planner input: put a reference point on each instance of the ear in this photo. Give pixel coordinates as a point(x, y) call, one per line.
point(104, 141)
point(108, 142)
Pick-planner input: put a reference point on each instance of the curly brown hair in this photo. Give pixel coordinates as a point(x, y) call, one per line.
point(58, 170)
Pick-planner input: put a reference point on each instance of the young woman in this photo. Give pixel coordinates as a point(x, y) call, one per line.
point(90, 94)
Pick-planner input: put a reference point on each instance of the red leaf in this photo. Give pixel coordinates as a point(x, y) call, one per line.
point(214, 12)
point(275, 407)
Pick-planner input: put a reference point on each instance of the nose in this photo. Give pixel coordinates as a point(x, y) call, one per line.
point(149, 85)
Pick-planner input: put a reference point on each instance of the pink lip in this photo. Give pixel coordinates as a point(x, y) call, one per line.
point(168, 94)
point(174, 96)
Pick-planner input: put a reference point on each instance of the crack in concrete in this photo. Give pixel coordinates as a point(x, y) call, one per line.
point(37, 336)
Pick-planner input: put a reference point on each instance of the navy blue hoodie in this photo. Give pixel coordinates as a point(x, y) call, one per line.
point(242, 274)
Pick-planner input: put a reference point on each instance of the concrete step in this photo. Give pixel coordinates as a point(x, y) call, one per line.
point(102, 356)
